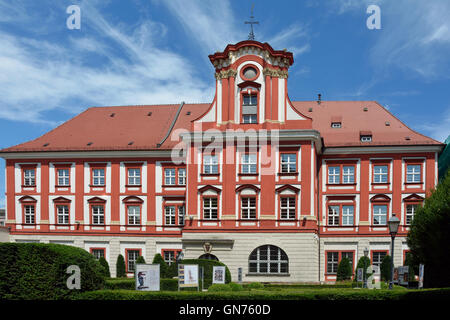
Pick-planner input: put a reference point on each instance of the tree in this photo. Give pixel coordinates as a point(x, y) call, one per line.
point(363, 263)
point(140, 259)
point(163, 269)
point(105, 265)
point(385, 268)
point(429, 235)
point(344, 271)
point(120, 267)
point(413, 269)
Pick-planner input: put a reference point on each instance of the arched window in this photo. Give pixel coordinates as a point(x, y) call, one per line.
point(208, 256)
point(268, 259)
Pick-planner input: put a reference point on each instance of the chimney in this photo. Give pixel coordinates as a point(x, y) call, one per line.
point(319, 98)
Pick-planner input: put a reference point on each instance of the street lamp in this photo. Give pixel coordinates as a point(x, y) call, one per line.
point(393, 228)
point(366, 253)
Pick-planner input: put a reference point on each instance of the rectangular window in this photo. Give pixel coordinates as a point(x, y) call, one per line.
point(182, 176)
point(63, 214)
point(98, 253)
point(333, 215)
point(132, 256)
point(134, 215)
point(380, 174)
point(134, 176)
point(248, 208)
point(347, 215)
point(29, 214)
point(334, 174)
point(336, 124)
point(169, 212)
point(379, 214)
point(98, 177)
point(410, 212)
point(288, 162)
point(249, 108)
point(98, 215)
point(248, 163)
point(210, 208)
point(181, 214)
point(377, 258)
point(366, 138)
point(288, 208)
point(63, 177)
point(332, 262)
point(170, 256)
point(348, 174)
point(413, 173)
point(169, 176)
point(29, 177)
point(210, 164)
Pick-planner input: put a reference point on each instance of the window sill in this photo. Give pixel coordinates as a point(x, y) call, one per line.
point(133, 186)
point(288, 173)
point(341, 184)
point(210, 174)
point(173, 185)
point(248, 174)
point(267, 275)
point(380, 183)
point(408, 183)
point(30, 186)
point(97, 186)
point(59, 186)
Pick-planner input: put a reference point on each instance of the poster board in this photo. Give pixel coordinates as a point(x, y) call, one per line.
point(147, 277)
point(218, 274)
point(187, 275)
point(421, 274)
point(359, 274)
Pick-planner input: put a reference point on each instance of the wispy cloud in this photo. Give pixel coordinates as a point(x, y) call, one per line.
point(40, 75)
point(438, 129)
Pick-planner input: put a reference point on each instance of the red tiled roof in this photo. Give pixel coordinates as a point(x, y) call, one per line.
point(355, 120)
point(133, 128)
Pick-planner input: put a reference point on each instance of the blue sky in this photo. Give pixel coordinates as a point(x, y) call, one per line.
point(154, 51)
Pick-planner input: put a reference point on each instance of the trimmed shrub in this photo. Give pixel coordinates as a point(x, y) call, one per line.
point(207, 266)
point(219, 287)
point(164, 268)
point(344, 271)
point(105, 265)
point(172, 270)
point(120, 267)
point(236, 286)
point(255, 285)
point(37, 271)
point(140, 259)
point(129, 284)
point(363, 263)
point(412, 270)
point(385, 268)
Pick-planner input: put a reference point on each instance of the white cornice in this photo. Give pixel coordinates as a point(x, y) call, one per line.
point(87, 154)
point(382, 149)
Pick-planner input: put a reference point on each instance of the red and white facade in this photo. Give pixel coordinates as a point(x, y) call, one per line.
point(281, 189)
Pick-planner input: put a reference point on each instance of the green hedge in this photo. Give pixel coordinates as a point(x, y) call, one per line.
point(129, 284)
point(331, 294)
point(38, 271)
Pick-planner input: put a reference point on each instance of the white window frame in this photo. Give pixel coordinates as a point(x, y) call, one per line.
point(381, 215)
point(259, 261)
point(29, 177)
point(288, 208)
point(333, 215)
point(134, 214)
point(412, 174)
point(64, 178)
point(410, 212)
point(62, 212)
point(379, 175)
point(210, 164)
point(249, 163)
point(98, 176)
point(333, 262)
point(288, 162)
point(210, 212)
point(348, 174)
point(348, 214)
point(170, 215)
point(334, 174)
point(248, 209)
point(98, 214)
point(30, 217)
point(181, 214)
point(182, 176)
point(170, 176)
point(134, 176)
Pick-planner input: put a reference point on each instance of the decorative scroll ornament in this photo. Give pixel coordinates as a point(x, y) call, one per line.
point(275, 73)
point(225, 74)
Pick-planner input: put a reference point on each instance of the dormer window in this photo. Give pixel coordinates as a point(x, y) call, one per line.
point(249, 108)
point(366, 138)
point(336, 125)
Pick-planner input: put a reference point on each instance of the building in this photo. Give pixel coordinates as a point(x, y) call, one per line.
point(282, 189)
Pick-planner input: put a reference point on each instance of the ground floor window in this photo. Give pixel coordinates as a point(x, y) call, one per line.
point(170, 256)
point(377, 258)
point(268, 259)
point(132, 256)
point(98, 253)
point(208, 256)
point(332, 262)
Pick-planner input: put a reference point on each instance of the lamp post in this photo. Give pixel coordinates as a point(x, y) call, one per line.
point(366, 253)
point(393, 228)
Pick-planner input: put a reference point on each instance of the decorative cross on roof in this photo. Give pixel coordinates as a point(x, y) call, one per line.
point(251, 35)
